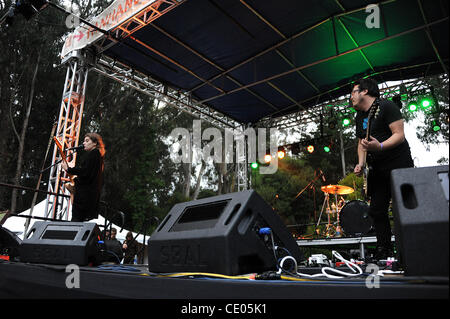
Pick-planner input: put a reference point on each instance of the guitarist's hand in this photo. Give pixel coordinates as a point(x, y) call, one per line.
point(358, 170)
point(373, 145)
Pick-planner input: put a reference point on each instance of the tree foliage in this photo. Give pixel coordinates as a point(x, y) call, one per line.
point(28, 102)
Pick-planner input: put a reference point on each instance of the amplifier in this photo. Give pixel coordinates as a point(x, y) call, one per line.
point(9, 244)
point(420, 201)
point(227, 234)
point(61, 243)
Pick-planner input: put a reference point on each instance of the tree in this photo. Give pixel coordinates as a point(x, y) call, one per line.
point(439, 112)
point(282, 191)
point(27, 104)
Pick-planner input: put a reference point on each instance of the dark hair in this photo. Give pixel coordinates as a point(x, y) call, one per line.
point(370, 85)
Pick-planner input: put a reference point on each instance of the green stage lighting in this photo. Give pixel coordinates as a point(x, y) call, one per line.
point(326, 149)
point(436, 126)
point(346, 122)
point(425, 103)
point(254, 165)
point(412, 106)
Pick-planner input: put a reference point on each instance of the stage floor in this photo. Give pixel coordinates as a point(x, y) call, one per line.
point(22, 280)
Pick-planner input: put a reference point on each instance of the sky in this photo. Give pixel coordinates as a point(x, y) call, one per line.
point(422, 154)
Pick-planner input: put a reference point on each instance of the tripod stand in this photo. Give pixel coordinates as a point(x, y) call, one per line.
point(332, 229)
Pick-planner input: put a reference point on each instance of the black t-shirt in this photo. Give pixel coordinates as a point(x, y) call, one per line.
point(387, 113)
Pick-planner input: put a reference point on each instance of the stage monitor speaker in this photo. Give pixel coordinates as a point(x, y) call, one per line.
point(420, 200)
point(9, 244)
point(224, 234)
point(61, 243)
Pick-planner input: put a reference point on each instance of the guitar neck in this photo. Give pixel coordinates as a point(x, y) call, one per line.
point(365, 152)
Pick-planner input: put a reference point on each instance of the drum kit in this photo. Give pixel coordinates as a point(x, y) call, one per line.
point(352, 218)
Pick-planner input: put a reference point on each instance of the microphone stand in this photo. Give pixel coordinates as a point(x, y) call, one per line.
point(310, 184)
point(307, 186)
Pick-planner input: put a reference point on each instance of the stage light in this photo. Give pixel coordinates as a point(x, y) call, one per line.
point(281, 154)
point(436, 126)
point(403, 92)
point(412, 106)
point(267, 158)
point(326, 149)
point(346, 122)
point(254, 165)
point(425, 103)
point(310, 148)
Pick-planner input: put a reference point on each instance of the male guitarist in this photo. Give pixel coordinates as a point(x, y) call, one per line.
point(385, 149)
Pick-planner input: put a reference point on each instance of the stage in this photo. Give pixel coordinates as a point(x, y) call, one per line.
point(41, 281)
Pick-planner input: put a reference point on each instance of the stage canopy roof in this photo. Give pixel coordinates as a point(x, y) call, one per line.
point(254, 59)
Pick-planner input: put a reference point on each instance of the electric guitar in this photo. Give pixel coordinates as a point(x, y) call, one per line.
point(70, 186)
point(366, 169)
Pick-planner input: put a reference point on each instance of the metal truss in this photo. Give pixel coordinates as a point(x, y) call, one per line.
point(78, 65)
point(176, 98)
point(340, 106)
point(136, 22)
point(67, 133)
point(149, 86)
point(183, 101)
point(241, 160)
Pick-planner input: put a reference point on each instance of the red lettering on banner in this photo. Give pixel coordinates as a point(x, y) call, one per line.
point(105, 22)
point(119, 11)
point(79, 36)
point(91, 31)
point(69, 41)
point(128, 4)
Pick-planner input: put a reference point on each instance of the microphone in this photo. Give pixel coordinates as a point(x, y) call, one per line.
point(323, 176)
point(76, 148)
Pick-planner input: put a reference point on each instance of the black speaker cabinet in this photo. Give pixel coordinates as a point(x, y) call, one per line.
point(61, 243)
point(9, 243)
point(221, 234)
point(420, 199)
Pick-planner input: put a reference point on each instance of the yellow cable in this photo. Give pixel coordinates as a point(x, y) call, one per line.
point(204, 274)
point(297, 279)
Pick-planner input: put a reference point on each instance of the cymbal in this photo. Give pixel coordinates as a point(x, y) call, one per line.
point(337, 189)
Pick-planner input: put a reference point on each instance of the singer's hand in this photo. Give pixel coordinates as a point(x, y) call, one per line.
point(64, 166)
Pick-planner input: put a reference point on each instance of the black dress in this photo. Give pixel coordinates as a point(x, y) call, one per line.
point(88, 185)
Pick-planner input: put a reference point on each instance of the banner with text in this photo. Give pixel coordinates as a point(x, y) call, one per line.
point(117, 13)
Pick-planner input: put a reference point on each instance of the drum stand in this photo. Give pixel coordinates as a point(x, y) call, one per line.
point(331, 230)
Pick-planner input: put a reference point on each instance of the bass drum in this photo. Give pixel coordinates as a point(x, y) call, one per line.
point(355, 219)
